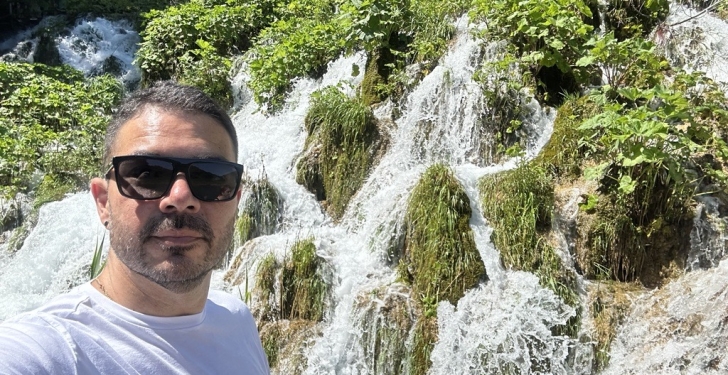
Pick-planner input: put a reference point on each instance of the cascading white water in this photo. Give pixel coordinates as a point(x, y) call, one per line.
point(695, 41)
point(451, 103)
point(91, 43)
point(54, 257)
point(503, 323)
point(91, 46)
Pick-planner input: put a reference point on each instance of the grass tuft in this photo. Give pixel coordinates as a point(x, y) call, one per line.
point(341, 142)
point(440, 260)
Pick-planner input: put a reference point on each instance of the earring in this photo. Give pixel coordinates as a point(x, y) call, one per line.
point(106, 224)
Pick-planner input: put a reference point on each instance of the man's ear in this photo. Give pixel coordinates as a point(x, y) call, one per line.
point(100, 191)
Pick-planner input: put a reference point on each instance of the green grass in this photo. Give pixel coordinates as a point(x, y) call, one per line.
point(345, 132)
point(441, 261)
point(518, 204)
point(304, 290)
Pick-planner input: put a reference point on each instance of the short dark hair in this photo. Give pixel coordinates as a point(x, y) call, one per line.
point(169, 96)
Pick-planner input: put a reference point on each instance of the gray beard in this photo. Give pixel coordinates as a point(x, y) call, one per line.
point(185, 275)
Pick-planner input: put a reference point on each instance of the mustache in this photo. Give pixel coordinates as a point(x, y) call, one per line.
point(176, 221)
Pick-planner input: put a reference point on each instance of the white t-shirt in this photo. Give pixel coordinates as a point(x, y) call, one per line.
point(83, 332)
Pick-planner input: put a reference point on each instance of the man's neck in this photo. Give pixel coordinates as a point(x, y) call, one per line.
point(136, 292)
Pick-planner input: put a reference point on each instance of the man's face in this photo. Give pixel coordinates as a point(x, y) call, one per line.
point(174, 241)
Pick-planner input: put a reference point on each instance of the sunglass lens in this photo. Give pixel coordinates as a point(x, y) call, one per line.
point(212, 181)
point(144, 178)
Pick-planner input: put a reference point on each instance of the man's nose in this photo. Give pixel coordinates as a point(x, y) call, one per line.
point(179, 198)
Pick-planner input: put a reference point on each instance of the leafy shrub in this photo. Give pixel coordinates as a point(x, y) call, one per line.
point(634, 18)
point(106, 7)
point(543, 34)
point(191, 42)
point(205, 69)
point(52, 126)
point(289, 49)
point(628, 63)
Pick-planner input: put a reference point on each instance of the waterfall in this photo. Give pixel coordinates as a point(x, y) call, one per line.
point(54, 257)
point(501, 325)
point(93, 46)
point(101, 46)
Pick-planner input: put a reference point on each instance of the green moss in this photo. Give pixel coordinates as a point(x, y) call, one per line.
point(440, 260)
point(304, 290)
point(261, 212)
point(519, 204)
point(341, 142)
point(563, 154)
point(271, 344)
point(265, 282)
point(370, 92)
point(423, 341)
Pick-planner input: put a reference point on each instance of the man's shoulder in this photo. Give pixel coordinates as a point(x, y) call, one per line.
point(227, 301)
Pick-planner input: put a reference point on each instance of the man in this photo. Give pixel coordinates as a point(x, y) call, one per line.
point(169, 200)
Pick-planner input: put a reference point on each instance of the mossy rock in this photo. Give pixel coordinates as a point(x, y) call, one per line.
point(386, 317)
point(612, 246)
point(304, 290)
point(440, 258)
point(610, 303)
point(46, 51)
point(519, 206)
point(261, 212)
point(285, 343)
point(342, 140)
point(562, 155)
point(424, 337)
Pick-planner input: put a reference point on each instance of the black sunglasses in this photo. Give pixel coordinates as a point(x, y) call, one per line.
point(150, 177)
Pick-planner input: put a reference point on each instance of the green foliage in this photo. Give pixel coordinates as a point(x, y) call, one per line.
point(261, 211)
point(628, 63)
point(430, 24)
point(54, 187)
point(634, 18)
point(191, 42)
point(441, 260)
point(51, 125)
point(654, 134)
point(373, 21)
point(544, 33)
point(504, 102)
point(304, 290)
point(205, 69)
point(346, 132)
point(519, 205)
point(309, 33)
point(289, 49)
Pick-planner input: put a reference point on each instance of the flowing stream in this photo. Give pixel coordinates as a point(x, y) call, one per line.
point(502, 323)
